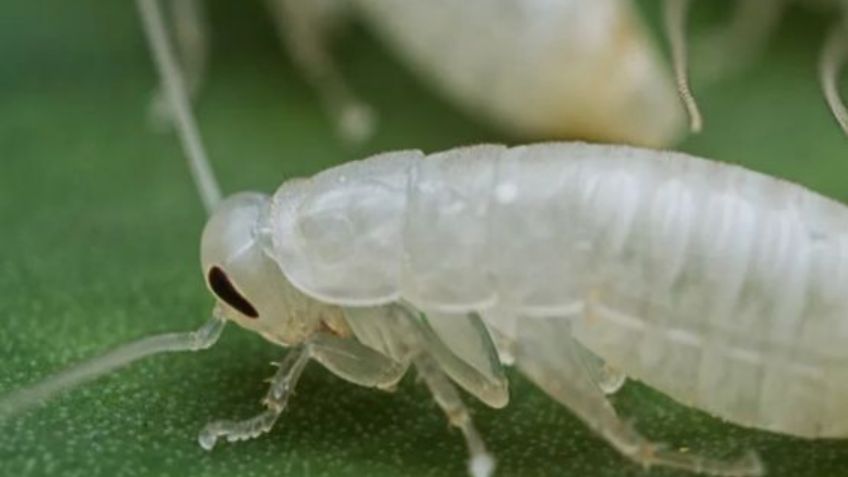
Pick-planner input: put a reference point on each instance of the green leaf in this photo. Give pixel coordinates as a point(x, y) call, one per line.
point(100, 228)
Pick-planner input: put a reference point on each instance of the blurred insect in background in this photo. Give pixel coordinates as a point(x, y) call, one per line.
point(719, 286)
point(538, 69)
point(730, 48)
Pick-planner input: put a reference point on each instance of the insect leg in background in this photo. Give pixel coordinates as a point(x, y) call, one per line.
point(191, 34)
point(730, 48)
point(304, 29)
point(831, 63)
point(536, 69)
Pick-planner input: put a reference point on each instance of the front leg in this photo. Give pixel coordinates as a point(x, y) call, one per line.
point(282, 386)
point(345, 358)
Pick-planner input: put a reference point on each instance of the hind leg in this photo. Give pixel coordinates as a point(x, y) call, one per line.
point(303, 28)
point(549, 356)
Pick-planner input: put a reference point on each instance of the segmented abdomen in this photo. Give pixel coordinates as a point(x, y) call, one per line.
point(540, 68)
point(719, 286)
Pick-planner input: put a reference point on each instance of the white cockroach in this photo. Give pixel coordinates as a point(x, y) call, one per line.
point(734, 46)
point(539, 69)
point(722, 287)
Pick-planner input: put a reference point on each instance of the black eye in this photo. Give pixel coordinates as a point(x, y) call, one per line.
point(225, 290)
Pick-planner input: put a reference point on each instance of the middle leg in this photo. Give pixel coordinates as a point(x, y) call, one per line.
point(481, 463)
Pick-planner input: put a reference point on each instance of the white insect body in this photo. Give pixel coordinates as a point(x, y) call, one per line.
point(539, 69)
point(714, 284)
point(721, 287)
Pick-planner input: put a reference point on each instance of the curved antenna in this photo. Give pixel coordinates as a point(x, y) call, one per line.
point(204, 337)
point(831, 62)
point(675, 25)
point(175, 93)
point(26, 398)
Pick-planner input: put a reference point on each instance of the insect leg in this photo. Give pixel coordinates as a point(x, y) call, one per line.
point(831, 62)
point(481, 463)
point(302, 31)
point(282, 385)
point(731, 47)
point(462, 348)
point(175, 92)
point(345, 358)
point(504, 326)
point(675, 25)
point(191, 35)
point(609, 379)
point(548, 355)
point(469, 358)
point(355, 362)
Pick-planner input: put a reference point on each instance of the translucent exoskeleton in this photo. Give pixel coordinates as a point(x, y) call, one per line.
point(577, 263)
point(538, 69)
point(731, 47)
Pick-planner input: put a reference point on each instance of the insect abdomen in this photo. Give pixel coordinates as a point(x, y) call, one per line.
point(728, 295)
point(538, 68)
point(529, 226)
point(722, 287)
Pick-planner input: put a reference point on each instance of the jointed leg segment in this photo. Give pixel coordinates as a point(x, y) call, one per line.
point(191, 34)
point(555, 365)
point(480, 464)
point(833, 57)
point(302, 30)
point(648, 454)
point(734, 45)
point(346, 358)
point(282, 387)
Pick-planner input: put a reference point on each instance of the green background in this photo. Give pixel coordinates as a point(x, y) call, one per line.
point(99, 228)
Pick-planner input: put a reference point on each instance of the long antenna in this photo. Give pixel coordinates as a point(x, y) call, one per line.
point(23, 399)
point(175, 93)
point(675, 26)
point(26, 398)
point(832, 60)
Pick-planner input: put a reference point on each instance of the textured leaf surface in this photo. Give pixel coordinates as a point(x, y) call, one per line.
point(99, 228)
